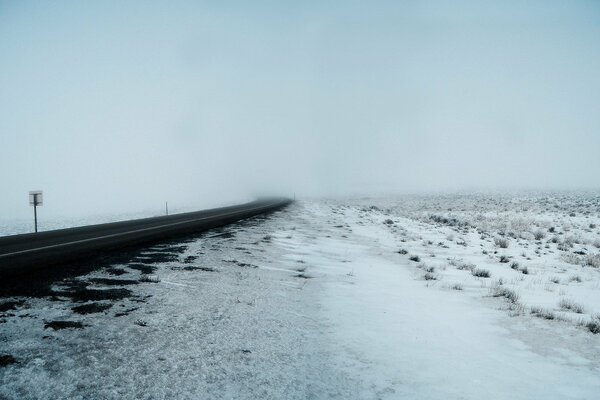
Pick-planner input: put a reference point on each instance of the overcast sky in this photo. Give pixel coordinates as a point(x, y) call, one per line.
point(118, 105)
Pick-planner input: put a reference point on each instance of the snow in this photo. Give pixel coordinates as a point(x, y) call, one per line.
point(330, 311)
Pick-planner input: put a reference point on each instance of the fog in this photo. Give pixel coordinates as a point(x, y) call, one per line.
point(121, 106)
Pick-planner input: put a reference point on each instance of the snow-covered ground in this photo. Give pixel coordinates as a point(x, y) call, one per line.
point(322, 300)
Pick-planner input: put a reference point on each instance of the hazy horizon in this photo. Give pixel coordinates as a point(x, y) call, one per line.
point(114, 107)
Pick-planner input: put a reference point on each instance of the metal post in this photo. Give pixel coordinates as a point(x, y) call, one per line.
point(167, 207)
point(35, 211)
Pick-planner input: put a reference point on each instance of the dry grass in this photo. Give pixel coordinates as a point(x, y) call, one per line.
point(481, 273)
point(501, 242)
point(542, 313)
point(570, 305)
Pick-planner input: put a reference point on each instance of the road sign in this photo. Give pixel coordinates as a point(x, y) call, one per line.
point(36, 198)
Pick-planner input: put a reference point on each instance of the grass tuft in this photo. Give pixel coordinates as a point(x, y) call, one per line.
point(481, 273)
point(501, 242)
point(592, 260)
point(510, 295)
point(542, 313)
point(594, 325)
point(570, 305)
point(429, 276)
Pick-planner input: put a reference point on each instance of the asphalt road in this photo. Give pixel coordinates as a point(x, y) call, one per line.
point(27, 253)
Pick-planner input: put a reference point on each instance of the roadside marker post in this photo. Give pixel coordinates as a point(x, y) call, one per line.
point(36, 198)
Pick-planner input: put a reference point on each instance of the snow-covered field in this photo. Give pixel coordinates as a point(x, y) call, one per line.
point(454, 297)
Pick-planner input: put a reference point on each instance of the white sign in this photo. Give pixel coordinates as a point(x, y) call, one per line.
point(36, 198)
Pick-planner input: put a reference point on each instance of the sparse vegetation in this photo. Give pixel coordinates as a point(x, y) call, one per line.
point(504, 259)
point(402, 252)
point(429, 276)
point(570, 305)
point(542, 313)
point(481, 273)
point(594, 325)
point(415, 258)
point(501, 242)
point(465, 266)
point(510, 295)
point(592, 260)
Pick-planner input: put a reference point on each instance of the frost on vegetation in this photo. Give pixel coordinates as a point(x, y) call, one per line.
point(481, 273)
point(594, 325)
point(501, 242)
point(465, 266)
point(461, 265)
point(542, 313)
point(509, 294)
point(570, 305)
point(592, 260)
point(450, 221)
point(429, 276)
point(570, 258)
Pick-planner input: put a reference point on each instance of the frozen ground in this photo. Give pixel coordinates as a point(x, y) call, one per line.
point(319, 301)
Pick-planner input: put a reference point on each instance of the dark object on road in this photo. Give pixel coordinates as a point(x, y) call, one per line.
point(7, 359)
point(91, 308)
point(58, 325)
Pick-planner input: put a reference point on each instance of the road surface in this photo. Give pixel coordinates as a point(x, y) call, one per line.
point(26, 253)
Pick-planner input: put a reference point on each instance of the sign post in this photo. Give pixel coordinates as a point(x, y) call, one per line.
point(36, 198)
